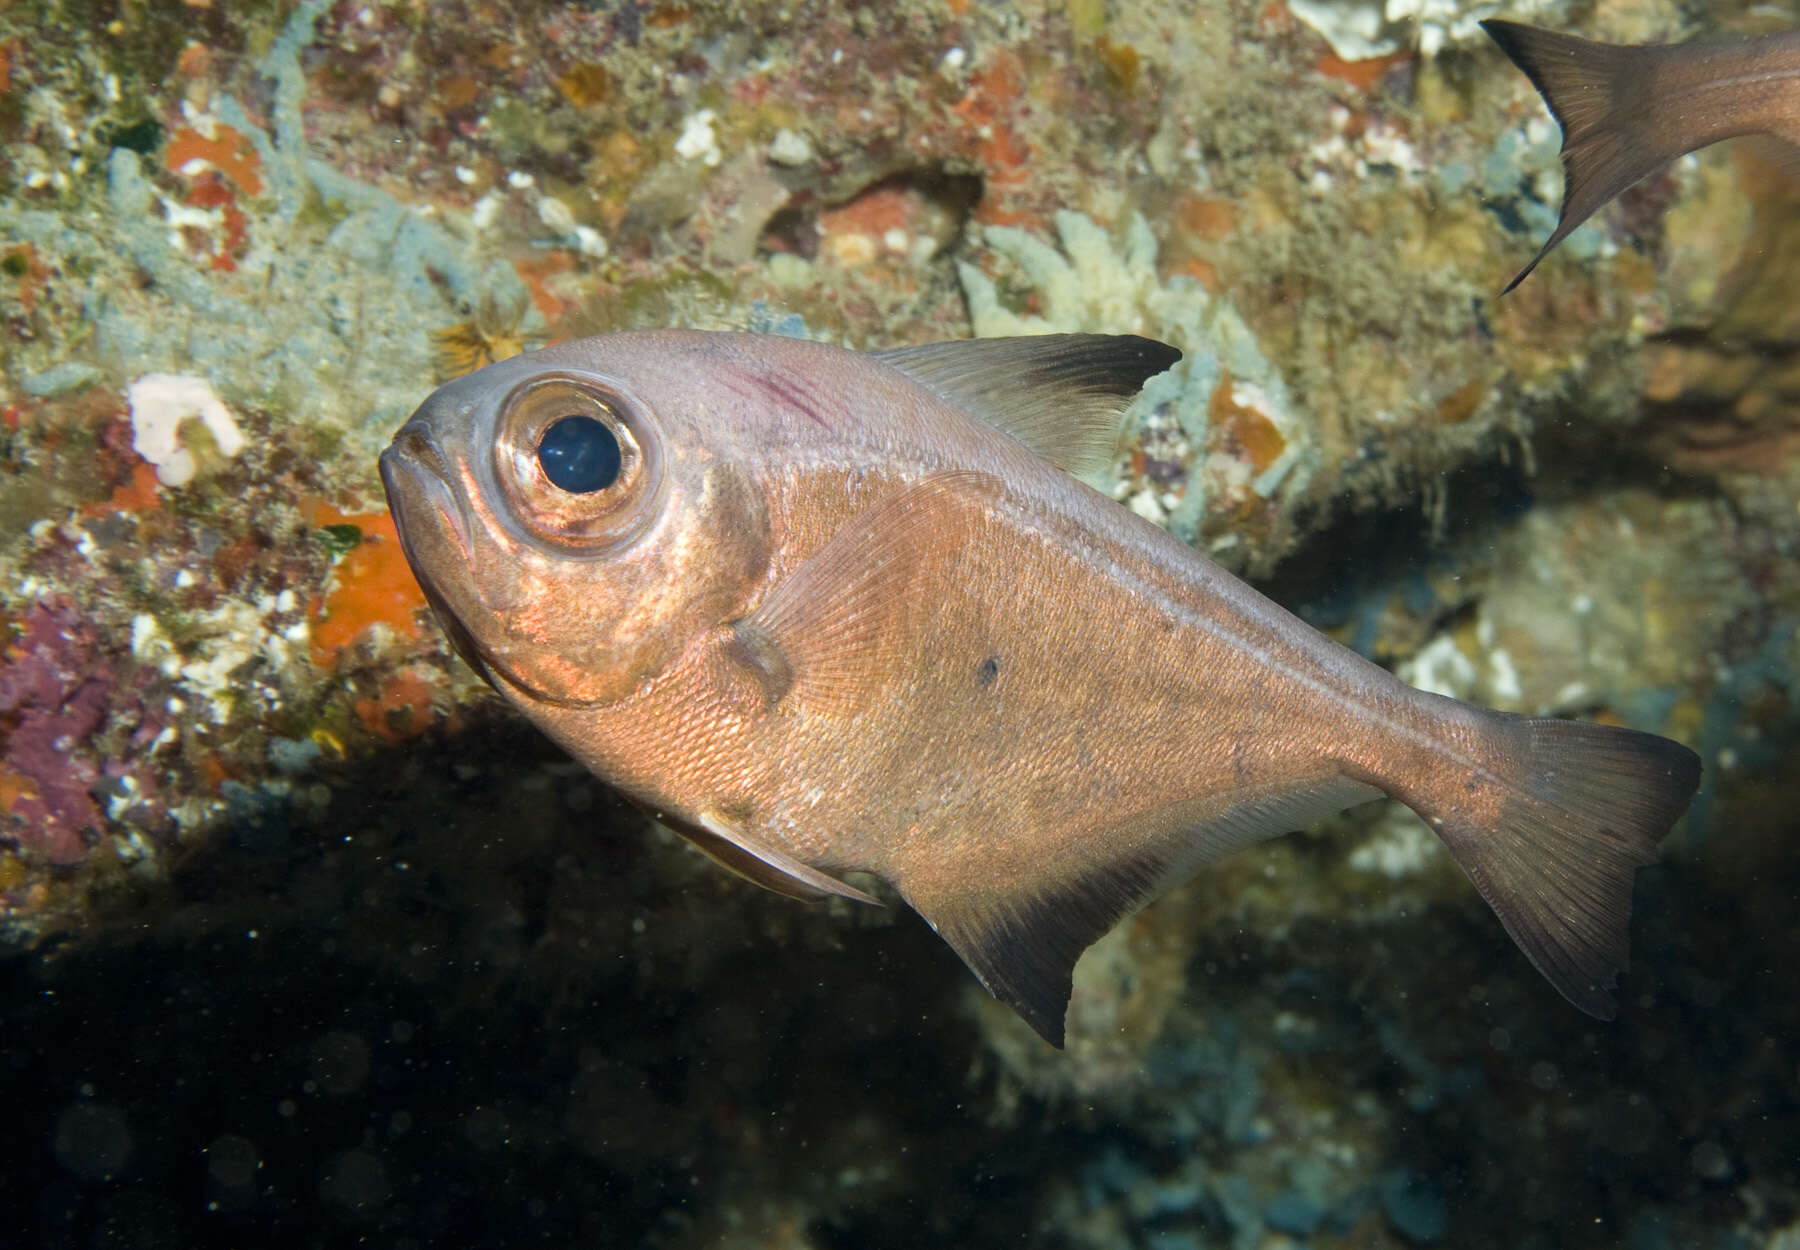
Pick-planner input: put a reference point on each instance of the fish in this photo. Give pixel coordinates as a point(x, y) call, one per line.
point(1628, 110)
point(827, 612)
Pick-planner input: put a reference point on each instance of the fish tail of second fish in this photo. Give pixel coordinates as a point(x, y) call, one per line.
point(1551, 819)
point(1617, 127)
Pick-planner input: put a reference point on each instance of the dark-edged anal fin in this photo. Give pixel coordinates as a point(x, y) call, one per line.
point(1023, 947)
point(1022, 939)
point(1060, 394)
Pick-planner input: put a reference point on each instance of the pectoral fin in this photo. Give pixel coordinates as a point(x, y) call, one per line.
point(829, 633)
point(731, 846)
point(1059, 394)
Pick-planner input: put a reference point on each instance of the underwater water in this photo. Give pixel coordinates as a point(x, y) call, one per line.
point(307, 938)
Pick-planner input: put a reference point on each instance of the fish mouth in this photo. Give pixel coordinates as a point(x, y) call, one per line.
point(433, 523)
point(416, 477)
point(413, 465)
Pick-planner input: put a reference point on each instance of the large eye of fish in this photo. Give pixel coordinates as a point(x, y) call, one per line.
point(578, 462)
point(580, 455)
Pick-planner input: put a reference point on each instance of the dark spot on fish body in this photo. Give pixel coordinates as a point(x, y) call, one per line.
point(987, 671)
point(1235, 749)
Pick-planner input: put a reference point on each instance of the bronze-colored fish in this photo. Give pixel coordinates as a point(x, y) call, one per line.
point(828, 612)
point(1626, 111)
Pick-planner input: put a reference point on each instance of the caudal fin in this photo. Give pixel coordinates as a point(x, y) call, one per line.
point(1553, 836)
point(1614, 132)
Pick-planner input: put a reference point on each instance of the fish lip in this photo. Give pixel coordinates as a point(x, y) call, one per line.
point(415, 458)
point(413, 466)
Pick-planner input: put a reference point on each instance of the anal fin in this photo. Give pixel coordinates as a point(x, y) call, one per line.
point(1022, 940)
point(1023, 950)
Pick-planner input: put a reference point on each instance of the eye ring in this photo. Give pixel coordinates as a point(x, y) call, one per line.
point(578, 462)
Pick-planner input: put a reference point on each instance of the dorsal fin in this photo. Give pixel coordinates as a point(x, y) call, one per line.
point(729, 845)
point(826, 632)
point(1059, 394)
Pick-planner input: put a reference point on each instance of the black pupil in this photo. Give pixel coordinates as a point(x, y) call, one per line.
point(579, 455)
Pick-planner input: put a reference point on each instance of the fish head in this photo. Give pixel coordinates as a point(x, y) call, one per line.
point(571, 519)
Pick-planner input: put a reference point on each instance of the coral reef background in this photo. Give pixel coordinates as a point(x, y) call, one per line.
point(306, 940)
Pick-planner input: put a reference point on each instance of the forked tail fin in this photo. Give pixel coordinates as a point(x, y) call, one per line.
point(1553, 832)
point(1615, 132)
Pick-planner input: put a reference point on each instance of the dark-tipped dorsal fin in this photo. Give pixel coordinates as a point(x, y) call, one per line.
point(1059, 394)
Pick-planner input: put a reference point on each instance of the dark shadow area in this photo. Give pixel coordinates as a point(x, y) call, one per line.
point(475, 1000)
point(1343, 578)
